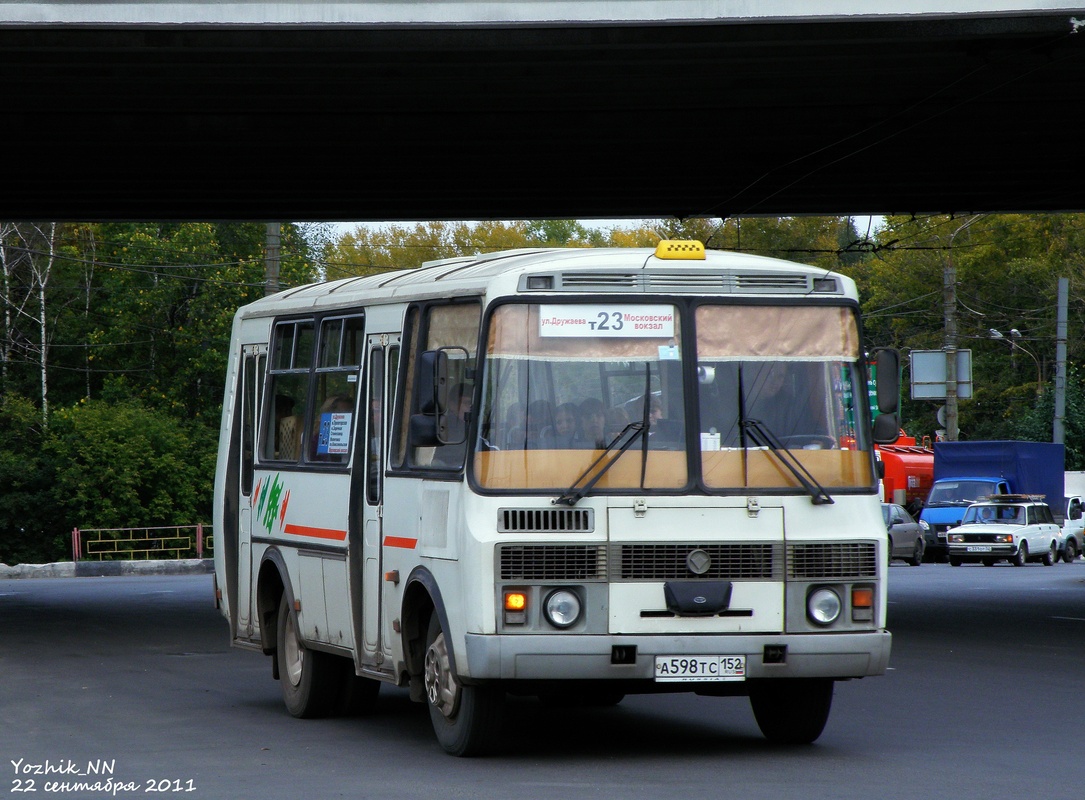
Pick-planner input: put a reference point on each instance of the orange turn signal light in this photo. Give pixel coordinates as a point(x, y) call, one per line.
point(862, 597)
point(515, 601)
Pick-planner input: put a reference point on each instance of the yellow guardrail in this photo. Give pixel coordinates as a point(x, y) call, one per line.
point(133, 544)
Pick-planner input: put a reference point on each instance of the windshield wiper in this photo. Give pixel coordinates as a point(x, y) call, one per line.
point(622, 442)
point(763, 437)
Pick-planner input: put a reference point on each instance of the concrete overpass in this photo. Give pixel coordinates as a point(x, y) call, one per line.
point(530, 109)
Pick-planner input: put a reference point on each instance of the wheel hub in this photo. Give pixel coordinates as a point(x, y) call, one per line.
point(442, 689)
point(293, 653)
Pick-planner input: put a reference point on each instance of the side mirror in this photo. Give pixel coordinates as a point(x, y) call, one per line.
point(423, 430)
point(439, 372)
point(886, 428)
point(432, 382)
point(888, 366)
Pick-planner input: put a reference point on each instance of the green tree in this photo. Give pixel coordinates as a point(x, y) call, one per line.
point(1036, 424)
point(30, 530)
point(1007, 269)
point(124, 464)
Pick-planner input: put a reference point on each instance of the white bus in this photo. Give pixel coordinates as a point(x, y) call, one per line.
point(569, 473)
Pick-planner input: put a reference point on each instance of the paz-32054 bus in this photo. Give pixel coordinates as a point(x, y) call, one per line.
point(574, 473)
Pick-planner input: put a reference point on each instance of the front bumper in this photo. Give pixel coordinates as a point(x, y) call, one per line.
point(979, 552)
point(843, 655)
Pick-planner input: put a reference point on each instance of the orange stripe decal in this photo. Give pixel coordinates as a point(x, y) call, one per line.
point(316, 533)
point(400, 541)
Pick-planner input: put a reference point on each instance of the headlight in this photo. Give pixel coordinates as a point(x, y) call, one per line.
point(1004, 538)
point(956, 538)
point(925, 525)
point(562, 608)
point(823, 606)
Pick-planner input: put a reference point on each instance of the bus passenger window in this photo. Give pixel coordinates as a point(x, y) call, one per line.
point(336, 379)
point(288, 376)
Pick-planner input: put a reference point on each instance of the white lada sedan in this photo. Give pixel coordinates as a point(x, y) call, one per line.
point(1018, 528)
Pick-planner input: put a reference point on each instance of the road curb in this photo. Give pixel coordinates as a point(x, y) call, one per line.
point(106, 569)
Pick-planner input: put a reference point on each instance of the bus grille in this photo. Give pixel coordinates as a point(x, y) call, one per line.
point(832, 560)
point(547, 562)
point(545, 520)
point(699, 282)
point(772, 283)
point(660, 562)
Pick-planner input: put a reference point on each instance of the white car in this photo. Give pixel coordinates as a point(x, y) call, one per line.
point(1073, 530)
point(1017, 528)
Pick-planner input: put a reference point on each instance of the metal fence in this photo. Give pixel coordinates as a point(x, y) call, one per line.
point(133, 544)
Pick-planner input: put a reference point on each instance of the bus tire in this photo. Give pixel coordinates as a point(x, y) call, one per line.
point(465, 718)
point(792, 711)
point(309, 679)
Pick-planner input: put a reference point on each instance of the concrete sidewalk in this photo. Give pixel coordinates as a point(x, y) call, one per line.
point(100, 569)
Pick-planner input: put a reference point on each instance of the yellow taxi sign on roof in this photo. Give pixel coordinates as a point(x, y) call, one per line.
point(686, 249)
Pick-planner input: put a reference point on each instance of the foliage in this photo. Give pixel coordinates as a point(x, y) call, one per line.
point(367, 250)
point(122, 464)
point(1036, 424)
point(1006, 270)
point(124, 329)
point(30, 530)
point(136, 335)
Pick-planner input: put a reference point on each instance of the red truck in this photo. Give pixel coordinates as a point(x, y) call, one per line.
point(909, 472)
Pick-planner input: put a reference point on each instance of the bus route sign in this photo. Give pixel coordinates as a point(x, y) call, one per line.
point(606, 320)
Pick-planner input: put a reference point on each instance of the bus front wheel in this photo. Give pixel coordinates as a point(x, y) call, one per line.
point(310, 680)
point(466, 719)
point(792, 711)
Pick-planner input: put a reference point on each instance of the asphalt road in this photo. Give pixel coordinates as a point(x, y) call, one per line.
point(984, 699)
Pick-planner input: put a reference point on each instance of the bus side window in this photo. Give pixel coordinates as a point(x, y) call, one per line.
point(288, 380)
point(336, 379)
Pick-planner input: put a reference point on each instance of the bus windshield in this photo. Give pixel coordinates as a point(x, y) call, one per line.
point(561, 382)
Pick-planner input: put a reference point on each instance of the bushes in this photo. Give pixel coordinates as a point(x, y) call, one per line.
point(99, 465)
point(30, 529)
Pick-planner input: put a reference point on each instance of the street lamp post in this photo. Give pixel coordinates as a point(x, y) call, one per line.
point(1015, 345)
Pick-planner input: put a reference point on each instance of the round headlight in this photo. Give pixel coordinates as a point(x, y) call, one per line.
point(823, 606)
point(562, 608)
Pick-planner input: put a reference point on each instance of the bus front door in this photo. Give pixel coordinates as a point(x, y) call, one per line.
point(366, 529)
point(252, 365)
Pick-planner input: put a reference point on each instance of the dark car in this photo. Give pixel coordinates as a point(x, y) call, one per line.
point(905, 535)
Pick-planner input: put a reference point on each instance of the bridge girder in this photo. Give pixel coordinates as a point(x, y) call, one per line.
point(948, 114)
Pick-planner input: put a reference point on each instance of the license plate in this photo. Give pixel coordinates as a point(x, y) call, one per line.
point(978, 548)
point(700, 668)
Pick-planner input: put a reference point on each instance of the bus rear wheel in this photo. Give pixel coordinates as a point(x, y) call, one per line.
point(792, 711)
point(465, 718)
point(310, 680)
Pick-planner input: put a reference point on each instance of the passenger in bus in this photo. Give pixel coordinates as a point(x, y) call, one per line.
point(563, 435)
point(287, 429)
point(593, 421)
